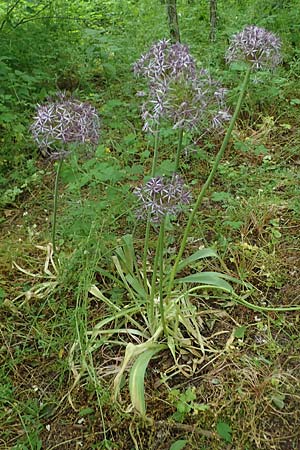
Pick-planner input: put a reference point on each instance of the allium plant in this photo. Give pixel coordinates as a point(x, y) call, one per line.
point(179, 92)
point(256, 46)
point(160, 313)
point(59, 123)
point(252, 46)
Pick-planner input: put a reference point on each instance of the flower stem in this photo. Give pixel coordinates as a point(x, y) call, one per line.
point(153, 282)
point(161, 241)
point(179, 148)
point(155, 153)
point(209, 178)
point(55, 204)
point(147, 232)
point(158, 263)
point(145, 251)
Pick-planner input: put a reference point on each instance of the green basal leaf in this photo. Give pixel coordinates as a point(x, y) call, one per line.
point(136, 285)
point(126, 255)
point(210, 279)
point(129, 252)
point(172, 346)
point(133, 351)
point(137, 376)
point(122, 274)
point(123, 313)
point(122, 260)
point(199, 254)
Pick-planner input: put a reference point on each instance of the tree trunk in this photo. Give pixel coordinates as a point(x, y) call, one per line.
point(213, 19)
point(173, 20)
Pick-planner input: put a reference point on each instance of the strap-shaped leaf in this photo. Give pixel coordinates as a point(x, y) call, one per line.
point(133, 351)
point(121, 273)
point(199, 254)
point(129, 252)
point(112, 318)
point(137, 376)
point(126, 254)
point(211, 279)
point(121, 312)
point(136, 285)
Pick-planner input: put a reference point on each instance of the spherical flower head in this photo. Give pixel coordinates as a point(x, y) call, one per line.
point(178, 92)
point(160, 197)
point(195, 103)
point(256, 46)
point(164, 60)
point(64, 121)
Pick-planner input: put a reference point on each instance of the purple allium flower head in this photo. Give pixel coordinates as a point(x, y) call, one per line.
point(161, 196)
point(177, 91)
point(257, 46)
point(63, 121)
point(165, 59)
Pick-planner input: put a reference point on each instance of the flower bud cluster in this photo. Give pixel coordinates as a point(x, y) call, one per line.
point(160, 197)
point(177, 91)
point(256, 46)
point(63, 121)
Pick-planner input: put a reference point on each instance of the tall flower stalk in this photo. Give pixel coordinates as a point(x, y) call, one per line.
point(57, 125)
point(148, 223)
point(209, 179)
point(158, 198)
point(259, 49)
point(179, 148)
point(55, 204)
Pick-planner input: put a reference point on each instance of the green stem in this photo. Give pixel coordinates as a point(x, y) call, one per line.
point(153, 280)
point(209, 178)
point(158, 263)
point(179, 148)
point(148, 224)
point(55, 204)
point(155, 153)
point(145, 251)
point(161, 241)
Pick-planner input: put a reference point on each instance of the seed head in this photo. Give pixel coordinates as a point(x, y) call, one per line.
point(256, 46)
point(64, 121)
point(161, 196)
